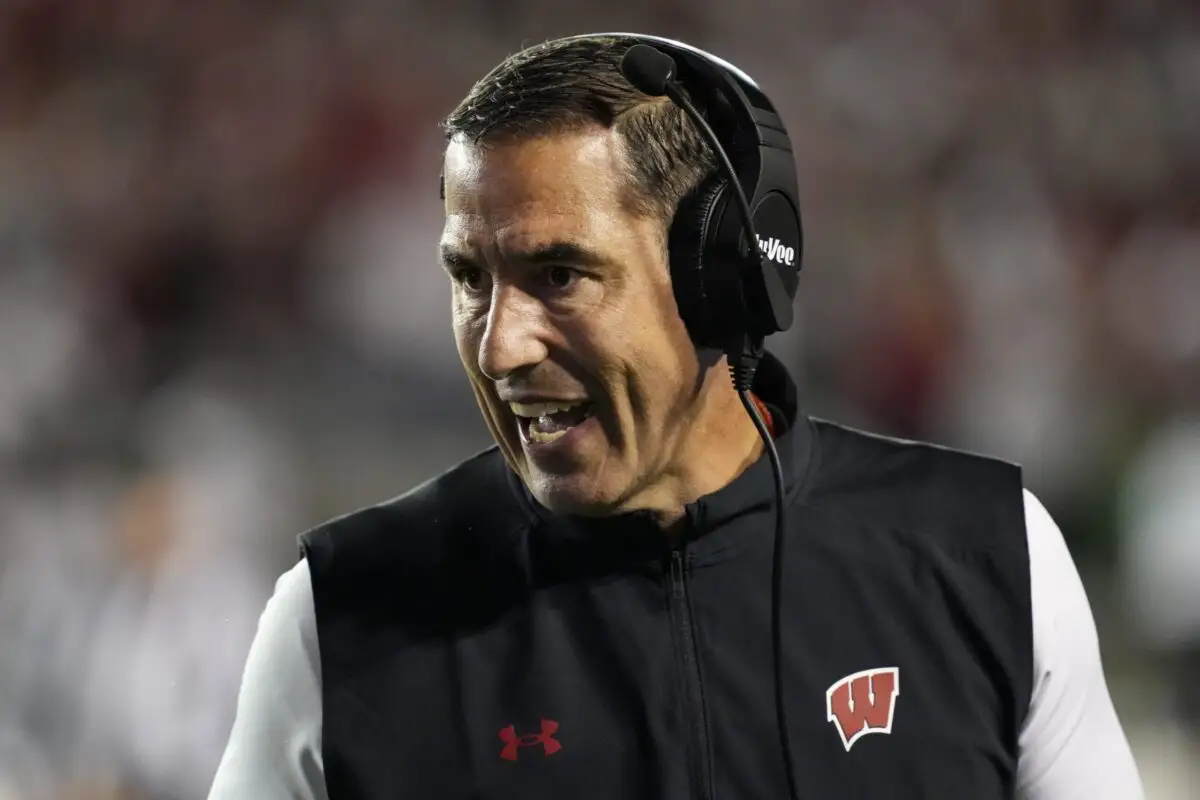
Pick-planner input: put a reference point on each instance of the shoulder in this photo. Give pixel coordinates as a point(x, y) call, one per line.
point(454, 524)
point(285, 645)
point(438, 499)
point(961, 522)
point(917, 486)
point(474, 494)
point(1064, 630)
point(1071, 741)
point(274, 748)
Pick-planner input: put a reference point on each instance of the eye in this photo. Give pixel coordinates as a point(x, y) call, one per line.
point(558, 277)
point(473, 279)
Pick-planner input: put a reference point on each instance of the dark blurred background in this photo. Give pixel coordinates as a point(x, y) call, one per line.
point(221, 320)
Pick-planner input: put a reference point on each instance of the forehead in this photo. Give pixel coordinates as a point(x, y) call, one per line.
point(510, 193)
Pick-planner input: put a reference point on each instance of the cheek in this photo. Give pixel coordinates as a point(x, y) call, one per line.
point(661, 368)
point(662, 330)
point(467, 334)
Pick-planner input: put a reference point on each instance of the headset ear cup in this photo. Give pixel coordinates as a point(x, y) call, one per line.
point(693, 227)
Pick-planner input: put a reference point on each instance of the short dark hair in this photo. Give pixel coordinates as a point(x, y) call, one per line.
point(564, 84)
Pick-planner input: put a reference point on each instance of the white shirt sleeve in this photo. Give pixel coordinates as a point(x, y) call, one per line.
point(274, 750)
point(1072, 746)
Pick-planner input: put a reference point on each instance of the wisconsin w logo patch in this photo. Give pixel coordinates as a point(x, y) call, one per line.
point(863, 703)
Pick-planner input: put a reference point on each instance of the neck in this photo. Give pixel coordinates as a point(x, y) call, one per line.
point(717, 443)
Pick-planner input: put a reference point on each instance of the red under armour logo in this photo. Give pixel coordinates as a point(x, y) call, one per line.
point(863, 703)
point(546, 739)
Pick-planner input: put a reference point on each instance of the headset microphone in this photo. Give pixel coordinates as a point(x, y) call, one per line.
point(648, 69)
point(653, 72)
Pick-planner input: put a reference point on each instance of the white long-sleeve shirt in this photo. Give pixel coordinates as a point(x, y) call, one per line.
point(1072, 746)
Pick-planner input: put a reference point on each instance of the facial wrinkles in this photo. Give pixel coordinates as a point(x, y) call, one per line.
point(470, 318)
point(665, 438)
point(468, 324)
point(676, 372)
point(621, 340)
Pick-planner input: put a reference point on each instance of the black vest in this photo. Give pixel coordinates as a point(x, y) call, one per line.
point(474, 646)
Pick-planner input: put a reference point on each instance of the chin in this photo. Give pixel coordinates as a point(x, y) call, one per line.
point(573, 495)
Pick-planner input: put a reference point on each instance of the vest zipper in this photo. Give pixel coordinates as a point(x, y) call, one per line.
point(693, 697)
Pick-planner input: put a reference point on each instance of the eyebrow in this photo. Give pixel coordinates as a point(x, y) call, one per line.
point(552, 253)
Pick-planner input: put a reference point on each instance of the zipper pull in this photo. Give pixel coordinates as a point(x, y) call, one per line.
point(677, 573)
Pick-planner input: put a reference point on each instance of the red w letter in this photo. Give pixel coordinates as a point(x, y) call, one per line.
point(863, 703)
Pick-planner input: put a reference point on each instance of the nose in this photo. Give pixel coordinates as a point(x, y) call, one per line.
point(515, 334)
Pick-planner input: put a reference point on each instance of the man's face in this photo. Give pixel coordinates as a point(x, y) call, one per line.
point(565, 319)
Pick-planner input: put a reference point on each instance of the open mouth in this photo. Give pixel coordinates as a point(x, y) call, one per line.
point(545, 422)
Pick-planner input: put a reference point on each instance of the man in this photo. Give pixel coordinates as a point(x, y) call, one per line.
point(585, 608)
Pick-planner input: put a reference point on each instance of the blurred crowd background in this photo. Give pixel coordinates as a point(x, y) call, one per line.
point(221, 320)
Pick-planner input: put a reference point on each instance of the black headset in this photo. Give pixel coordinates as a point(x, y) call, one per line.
point(724, 296)
point(718, 297)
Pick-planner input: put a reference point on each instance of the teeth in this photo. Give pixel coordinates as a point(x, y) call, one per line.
point(538, 435)
point(535, 410)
